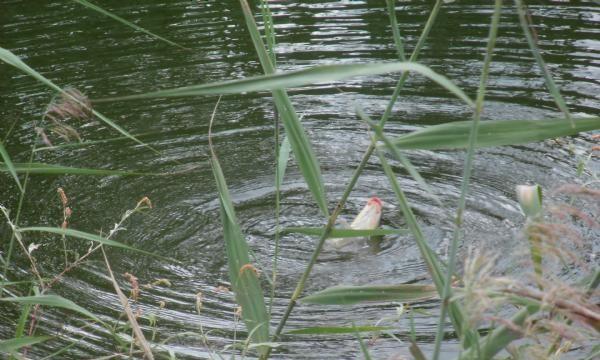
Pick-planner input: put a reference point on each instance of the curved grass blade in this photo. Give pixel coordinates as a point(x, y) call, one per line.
point(343, 233)
point(297, 78)
point(330, 330)
point(53, 301)
point(84, 236)
point(127, 23)
point(526, 26)
point(303, 151)
point(242, 274)
point(348, 295)
point(11, 59)
point(14, 344)
point(49, 169)
point(455, 135)
point(9, 165)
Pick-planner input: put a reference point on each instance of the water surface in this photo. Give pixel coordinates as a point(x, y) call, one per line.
point(77, 47)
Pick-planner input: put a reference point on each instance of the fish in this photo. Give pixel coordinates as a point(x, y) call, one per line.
point(367, 219)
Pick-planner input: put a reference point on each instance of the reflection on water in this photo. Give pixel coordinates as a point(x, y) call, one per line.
point(74, 46)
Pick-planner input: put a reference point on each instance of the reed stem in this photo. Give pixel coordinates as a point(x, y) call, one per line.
point(467, 176)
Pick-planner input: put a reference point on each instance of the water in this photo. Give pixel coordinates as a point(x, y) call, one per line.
point(74, 46)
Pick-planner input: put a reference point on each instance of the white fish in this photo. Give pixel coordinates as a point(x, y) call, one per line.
point(367, 219)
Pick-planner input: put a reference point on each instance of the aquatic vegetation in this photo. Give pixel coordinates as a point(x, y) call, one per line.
point(487, 310)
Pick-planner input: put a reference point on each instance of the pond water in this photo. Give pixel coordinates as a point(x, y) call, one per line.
point(74, 46)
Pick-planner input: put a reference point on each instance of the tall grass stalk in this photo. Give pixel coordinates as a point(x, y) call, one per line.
point(467, 176)
point(337, 210)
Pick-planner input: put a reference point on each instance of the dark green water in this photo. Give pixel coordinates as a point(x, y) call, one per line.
point(74, 46)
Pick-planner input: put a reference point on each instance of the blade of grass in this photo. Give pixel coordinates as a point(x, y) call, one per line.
point(330, 330)
point(49, 169)
point(243, 275)
point(391, 9)
point(349, 295)
point(343, 233)
point(455, 135)
point(9, 165)
point(427, 254)
point(550, 84)
point(11, 59)
point(450, 271)
point(53, 301)
point(127, 23)
point(282, 160)
point(14, 344)
point(85, 236)
point(363, 347)
point(307, 161)
point(282, 80)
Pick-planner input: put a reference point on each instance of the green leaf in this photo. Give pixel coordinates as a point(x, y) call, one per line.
point(455, 135)
point(343, 233)
point(14, 344)
point(290, 79)
point(49, 169)
point(348, 295)
point(307, 161)
point(429, 256)
point(391, 9)
point(84, 236)
point(125, 22)
point(11, 59)
point(244, 279)
point(282, 161)
point(327, 330)
point(53, 301)
point(9, 165)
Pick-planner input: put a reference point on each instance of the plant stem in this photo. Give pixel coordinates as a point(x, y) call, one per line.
point(467, 176)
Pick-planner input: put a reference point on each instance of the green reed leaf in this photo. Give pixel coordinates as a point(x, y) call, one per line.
point(84, 236)
point(52, 301)
point(11, 59)
point(303, 151)
point(14, 344)
point(127, 23)
point(348, 295)
point(455, 135)
point(330, 330)
point(428, 255)
point(550, 84)
point(343, 233)
point(49, 169)
point(8, 164)
point(242, 274)
point(282, 160)
point(297, 78)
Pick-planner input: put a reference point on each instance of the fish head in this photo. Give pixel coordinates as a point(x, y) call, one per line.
point(375, 202)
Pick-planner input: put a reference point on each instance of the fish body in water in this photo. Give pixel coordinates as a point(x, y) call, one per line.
point(368, 219)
